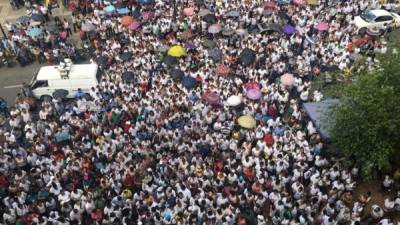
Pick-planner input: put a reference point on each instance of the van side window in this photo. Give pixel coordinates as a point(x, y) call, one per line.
point(40, 83)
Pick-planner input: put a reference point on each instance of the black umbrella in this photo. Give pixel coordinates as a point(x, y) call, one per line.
point(60, 93)
point(274, 27)
point(38, 17)
point(126, 56)
point(169, 60)
point(210, 18)
point(247, 57)
point(128, 76)
point(177, 74)
point(285, 17)
point(215, 54)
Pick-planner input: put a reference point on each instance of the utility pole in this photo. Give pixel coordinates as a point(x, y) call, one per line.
point(2, 31)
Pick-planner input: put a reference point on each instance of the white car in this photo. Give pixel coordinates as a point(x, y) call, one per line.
point(377, 19)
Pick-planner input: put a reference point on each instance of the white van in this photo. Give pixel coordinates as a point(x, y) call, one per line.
point(49, 79)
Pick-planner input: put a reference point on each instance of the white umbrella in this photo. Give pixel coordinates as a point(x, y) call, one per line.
point(234, 100)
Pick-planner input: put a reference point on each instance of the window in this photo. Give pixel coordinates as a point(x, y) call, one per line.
point(383, 19)
point(40, 84)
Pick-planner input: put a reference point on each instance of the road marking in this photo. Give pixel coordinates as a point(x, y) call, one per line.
point(13, 86)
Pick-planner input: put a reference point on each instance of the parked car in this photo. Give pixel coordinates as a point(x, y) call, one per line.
point(376, 19)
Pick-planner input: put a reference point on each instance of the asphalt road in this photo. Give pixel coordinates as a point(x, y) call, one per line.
point(11, 80)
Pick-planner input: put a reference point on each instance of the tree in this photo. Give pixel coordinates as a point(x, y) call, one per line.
point(366, 123)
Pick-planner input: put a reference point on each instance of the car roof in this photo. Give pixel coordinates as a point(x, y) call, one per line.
point(79, 71)
point(379, 12)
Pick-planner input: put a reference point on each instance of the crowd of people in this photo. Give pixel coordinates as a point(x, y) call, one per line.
point(165, 147)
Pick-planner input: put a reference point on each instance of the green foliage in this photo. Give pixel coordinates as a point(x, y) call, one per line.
point(366, 124)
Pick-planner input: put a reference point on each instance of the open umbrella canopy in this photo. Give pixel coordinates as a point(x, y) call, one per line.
point(287, 79)
point(214, 29)
point(215, 54)
point(23, 19)
point(269, 5)
point(247, 122)
point(169, 60)
point(109, 9)
point(211, 98)
point(190, 45)
point(126, 56)
point(234, 100)
point(34, 32)
point(134, 25)
point(271, 27)
point(126, 21)
point(222, 70)
point(299, 2)
point(227, 31)
point(146, 2)
point(284, 2)
point(323, 26)
point(38, 17)
point(177, 74)
point(88, 27)
point(176, 51)
point(102, 60)
point(233, 13)
point(247, 57)
point(210, 18)
point(204, 12)
point(128, 76)
point(189, 82)
point(289, 29)
point(188, 11)
point(254, 94)
point(209, 43)
point(123, 11)
point(60, 93)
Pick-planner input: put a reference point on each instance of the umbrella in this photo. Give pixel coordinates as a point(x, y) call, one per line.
point(214, 29)
point(87, 27)
point(210, 18)
point(227, 31)
point(254, 94)
point(247, 122)
point(322, 26)
point(189, 82)
point(211, 98)
point(146, 2)
point(269, 5)
point(288, 29)
point(204, 12)
point(233, 13)
point(126, 56)
point(283, 2)
point(234, 100)
point(273, 27)
point(247, 57)
point(38, 17)
point(134, 25)
point(209, 43)
point(148, 15)
point(222, 69)
point(373, 32)
point(190, 46)
point(188, 11)
point(126, 21)
point(215, 54)
point(60, 93)
point(34, 23)
point(177, 74)
point(102, 60)
point(123, 11)
point(299, 2)
point(109, 9)
point(169, 60)
point(176, 51)
point(312, 2)
point(34, 32)
point(23, 19)
point(128, 76)
point(241, 31)
point(287, 79)
point(251, 85)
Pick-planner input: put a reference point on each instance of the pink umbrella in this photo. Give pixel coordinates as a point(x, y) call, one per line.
point(211, 98)
point(134, 25)
point(188, 11)
point(146, 16)
point(223, 70)
point(299, 2)
point(251, 85)
point(323, 26)
point(254, 94)
point(287, 79)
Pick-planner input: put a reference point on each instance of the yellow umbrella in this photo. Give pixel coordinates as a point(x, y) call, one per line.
point(176, 51)
point(312, 2)
point(247, 122)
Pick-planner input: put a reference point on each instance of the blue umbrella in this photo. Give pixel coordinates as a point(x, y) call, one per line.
point(283, 2)
point(146, 2)
point(189, 82)
point(123, 11)
point(23, 19)
point(38, 17)
point(288, 29)
point(109, 9)
point(33, 32)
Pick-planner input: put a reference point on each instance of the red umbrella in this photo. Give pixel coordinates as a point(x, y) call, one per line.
point(223, 70)
point(126, 21)
point(323, 26)
point(211, 98)
point(134, 25)
point(188, 11)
